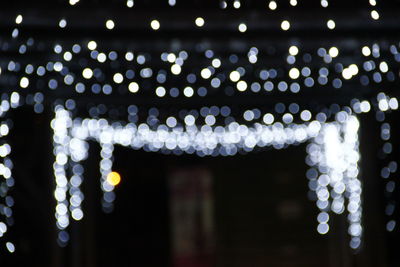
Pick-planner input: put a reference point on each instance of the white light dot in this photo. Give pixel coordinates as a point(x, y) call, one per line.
point(155, 24)
point(354, 69)
point(323, 228)
point(268, 118)
point(171, 57)
point(272, 5)
point(305, 115)
point(366, 51)
point(199, 22)
point(92, 45)
point(18, 19)
point(293, 50)
point(24, 82)
point(77, 214)
point(118, 78)
point(346, 74)
point(293, 2)
point(110, 24)
point(10, 246)
point(189, 120)
point(101, 57)
point(241, 86)
point(285, 25)
point(216, 63)
point(160, 91)
point(129, 56)
point(234, 76)
point(333, 52)
point(294, 73)
point(134, 87)
point(188, 91)
point(87, 73)
point(375, 14)
point(242, 27)
point(331, 24)
point(383, 66)
point(62, 23)
point(129, 3)
point(176, 69)
point(205, 73)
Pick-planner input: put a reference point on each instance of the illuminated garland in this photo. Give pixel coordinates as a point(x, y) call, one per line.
point(89, 68)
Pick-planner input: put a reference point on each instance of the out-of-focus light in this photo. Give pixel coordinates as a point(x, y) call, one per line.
point(92, 45)
point(272, 5)
point(293, 50)
point(73, 2)
point(374, 14)
point(241, 86)
point(18, 19)
point(133, 87)
point(234, 76)
point(118, 78)
point(285, 25)
point(199, 22)
point(155, 24)
point(294, 73)
point(205, 73)
point(110, 24)
point(331, 24)
point(24, 82)
point(113, 178)
point(130, 3)
point(333, 51)
point(10, 246)
point(87, 73)
point(242, 27)
point(62, 23)
point(175, 69)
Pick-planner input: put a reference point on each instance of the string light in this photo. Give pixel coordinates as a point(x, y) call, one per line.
point(333, 173)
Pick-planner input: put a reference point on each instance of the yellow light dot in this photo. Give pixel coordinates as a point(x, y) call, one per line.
point(113, 178)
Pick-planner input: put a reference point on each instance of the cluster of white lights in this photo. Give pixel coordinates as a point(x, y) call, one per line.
point(216, 73)
point(68, 153)
point(333, 153)
point(333, 157)
point(6, 179)
point(335, 73)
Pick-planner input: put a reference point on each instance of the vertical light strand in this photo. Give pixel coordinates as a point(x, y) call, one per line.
point(333, 156)
point(6, 179)
point(106, 164)
point(61, 140)
point(387, 155)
